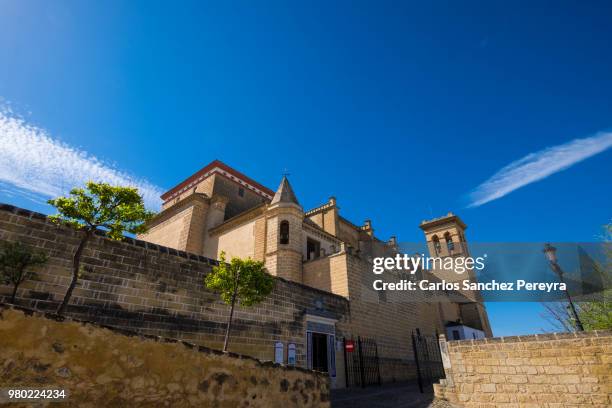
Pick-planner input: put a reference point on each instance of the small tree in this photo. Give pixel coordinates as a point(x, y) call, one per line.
point(242, 280)
point(596, 314)
point(114, 208)
point(15, 259)
point(559, 316)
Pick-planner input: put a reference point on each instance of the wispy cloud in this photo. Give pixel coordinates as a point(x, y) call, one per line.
point(537, 166)
point(35, 165)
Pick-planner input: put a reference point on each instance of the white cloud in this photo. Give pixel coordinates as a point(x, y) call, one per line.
point(32, 161)
point(537, 166)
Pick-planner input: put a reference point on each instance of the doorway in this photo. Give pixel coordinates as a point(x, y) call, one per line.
point(319, 352)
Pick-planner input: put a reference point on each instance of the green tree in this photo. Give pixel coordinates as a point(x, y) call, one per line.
point(597, 315)
point(15, 260)
point(115, 209)
point(242, 280)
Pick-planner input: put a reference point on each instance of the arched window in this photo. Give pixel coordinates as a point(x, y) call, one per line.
point(450, 245)
point(436, 244)
point(284, 232)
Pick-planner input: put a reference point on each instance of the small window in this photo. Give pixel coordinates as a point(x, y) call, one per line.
point(449, 242)
point(241, 191)
point(436, 244)
point(284, 232)
point(456, 335)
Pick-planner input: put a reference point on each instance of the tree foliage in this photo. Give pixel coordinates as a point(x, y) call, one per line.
point(115, 209)
point(16, 259)
point(241, 280)
point(245, 277)
point(597, 315)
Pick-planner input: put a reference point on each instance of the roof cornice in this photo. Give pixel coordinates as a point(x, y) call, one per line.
point(217, 166)
point(447, 219)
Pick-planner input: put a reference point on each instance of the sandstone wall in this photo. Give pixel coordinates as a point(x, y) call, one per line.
point(237, 204)
point(102, 367)
point(389, 317)
point(548, 370)
point(159, 291)
point(328, 273)
point(238, 242)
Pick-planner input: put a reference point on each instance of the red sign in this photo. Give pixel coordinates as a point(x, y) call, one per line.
point(349, 346)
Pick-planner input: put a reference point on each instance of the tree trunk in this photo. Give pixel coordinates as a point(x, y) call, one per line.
point(14, 293)
point(76, 263)
point(229, 322)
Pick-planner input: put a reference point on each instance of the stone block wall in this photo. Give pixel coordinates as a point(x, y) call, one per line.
point(388, 317)
point(156, 290)
point(180, 226)
point(104, 367)
point(328, 273)
point(548, 370)
point(259, 233)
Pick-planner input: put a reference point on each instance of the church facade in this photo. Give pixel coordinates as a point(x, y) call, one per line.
point(219, 209)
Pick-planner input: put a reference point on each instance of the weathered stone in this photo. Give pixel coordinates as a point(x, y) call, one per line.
point(101, 371)
point(58, 347)
point(534, 378)
point(63, 372)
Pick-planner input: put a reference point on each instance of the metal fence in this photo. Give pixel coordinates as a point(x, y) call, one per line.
point(428, 359)
point(361, 367)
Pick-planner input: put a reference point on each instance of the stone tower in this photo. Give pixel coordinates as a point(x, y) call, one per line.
point(445, 236)
point(284, 219)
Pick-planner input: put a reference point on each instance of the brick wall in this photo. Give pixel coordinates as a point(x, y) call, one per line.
point(547, 370)
point(104, 367)
point(157, 290)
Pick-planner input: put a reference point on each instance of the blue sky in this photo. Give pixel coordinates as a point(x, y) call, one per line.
point(402, 110)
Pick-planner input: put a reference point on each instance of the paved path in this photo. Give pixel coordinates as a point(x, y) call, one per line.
point(397, 395)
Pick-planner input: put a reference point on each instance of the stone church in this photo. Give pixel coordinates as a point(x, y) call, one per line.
point(220, 209)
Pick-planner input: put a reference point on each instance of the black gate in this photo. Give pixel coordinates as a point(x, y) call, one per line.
point(361, 364)
point(428, 359)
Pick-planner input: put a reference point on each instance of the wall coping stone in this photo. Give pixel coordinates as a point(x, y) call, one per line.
point(532, 337)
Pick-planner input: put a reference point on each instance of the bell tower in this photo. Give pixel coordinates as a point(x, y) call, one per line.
point(445, 236)
point(284, 219)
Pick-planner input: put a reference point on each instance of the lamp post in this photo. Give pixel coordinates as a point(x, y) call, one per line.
point(551, 254)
